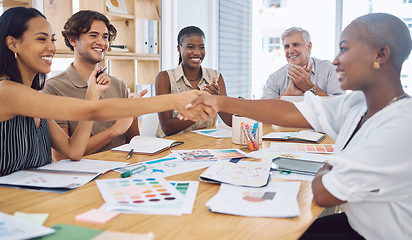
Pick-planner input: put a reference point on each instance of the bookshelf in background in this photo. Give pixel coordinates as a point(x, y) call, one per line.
point(134, 66)
point(6, 4)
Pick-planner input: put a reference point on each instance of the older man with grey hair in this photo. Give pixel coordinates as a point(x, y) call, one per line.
point(302, 73)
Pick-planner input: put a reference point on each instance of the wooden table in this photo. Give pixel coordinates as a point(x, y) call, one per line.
point(201, 224)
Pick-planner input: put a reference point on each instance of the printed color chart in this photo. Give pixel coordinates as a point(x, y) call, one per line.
point(301, 147)
point(138, 191)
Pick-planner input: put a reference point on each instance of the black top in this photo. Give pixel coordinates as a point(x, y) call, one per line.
point(23, 145)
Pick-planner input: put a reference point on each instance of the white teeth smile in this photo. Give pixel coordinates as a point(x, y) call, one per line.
point(47, 58)
point(292, 57)
point(98, 49)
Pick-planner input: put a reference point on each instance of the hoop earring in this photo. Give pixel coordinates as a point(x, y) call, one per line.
point(376, 65)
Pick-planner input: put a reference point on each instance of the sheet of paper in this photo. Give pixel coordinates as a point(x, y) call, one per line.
point(45, 178)
point(208, 154)
point(165, 167)
point(277, 199)
point(15, 228)
point(216, 133)
point(36, 218)
point(243, 173)
point(84, 165)
point(301, 147)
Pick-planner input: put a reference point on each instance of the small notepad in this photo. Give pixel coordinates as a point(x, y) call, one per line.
point(96, 216)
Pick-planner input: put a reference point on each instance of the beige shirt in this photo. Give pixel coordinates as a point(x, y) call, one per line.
point(179, 83)
point(70, 84)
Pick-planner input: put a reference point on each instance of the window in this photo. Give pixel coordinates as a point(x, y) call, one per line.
point(235, 46)
point(403, 10)
point(269, 23)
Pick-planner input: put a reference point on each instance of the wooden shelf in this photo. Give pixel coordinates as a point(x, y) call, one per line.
point(115, 55)
point(118, 16)
point(131, 67)
point(15, 3)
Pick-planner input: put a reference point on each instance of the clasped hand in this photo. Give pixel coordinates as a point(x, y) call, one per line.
point(300, 76)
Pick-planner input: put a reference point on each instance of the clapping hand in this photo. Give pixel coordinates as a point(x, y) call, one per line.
point(213, 88)
point(300, 76)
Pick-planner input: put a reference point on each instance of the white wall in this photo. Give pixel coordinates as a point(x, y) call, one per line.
point(177, 14)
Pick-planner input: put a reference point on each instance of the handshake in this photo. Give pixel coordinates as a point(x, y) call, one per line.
point(201, 105)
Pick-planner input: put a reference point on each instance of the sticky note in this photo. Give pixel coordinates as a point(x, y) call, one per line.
point(36, 218)
point(96, 216)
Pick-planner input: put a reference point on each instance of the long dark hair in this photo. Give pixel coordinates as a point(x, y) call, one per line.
point(13, 22)
point(188, 32)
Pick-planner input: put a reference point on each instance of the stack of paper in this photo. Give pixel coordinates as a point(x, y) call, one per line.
point(60, 176)
point(148, 195)
point(277, 199)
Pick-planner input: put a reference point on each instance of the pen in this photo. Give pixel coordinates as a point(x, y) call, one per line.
point(133, 171)
point(130, 153)
point(100, 71)
point(249, 143)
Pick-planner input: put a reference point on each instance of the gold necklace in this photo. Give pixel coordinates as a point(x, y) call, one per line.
point(403, 95)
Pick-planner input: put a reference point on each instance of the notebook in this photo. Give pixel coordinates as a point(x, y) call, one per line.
point(147, 145)
point(301, 136)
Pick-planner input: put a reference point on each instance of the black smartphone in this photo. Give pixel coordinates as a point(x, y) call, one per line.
point(100, 71)
point(296, 165)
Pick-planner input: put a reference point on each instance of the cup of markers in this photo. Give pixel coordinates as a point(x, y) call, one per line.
point(246, 131)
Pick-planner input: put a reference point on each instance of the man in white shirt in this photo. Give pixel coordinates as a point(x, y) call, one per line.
point(302, 73)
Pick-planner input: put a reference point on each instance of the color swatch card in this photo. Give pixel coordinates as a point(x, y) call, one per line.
point(301, 147)
point(209, 154)
point(139, 192)
point(186, 188)
point(277, 199)
point(66, 231)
